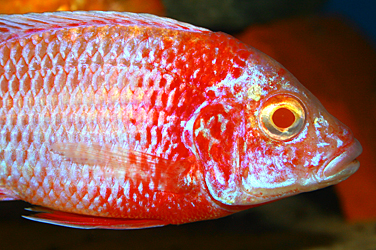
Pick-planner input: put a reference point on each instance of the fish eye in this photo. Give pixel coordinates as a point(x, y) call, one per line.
point(282, 117)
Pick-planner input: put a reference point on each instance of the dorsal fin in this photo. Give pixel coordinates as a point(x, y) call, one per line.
point(15, 25)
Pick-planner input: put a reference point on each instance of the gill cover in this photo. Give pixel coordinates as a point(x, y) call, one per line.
point(217, 136)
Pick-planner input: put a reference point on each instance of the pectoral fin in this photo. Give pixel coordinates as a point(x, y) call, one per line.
point(168, 175)
point(53, 217)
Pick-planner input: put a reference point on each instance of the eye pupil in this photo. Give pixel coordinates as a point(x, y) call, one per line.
point(283, 118)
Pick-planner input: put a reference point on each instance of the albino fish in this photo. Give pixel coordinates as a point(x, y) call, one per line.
point(121, 121)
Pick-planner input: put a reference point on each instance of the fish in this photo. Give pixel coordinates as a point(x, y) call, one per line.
point(126, 121)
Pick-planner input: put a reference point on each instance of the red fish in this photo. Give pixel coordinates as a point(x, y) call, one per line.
point(119, 120)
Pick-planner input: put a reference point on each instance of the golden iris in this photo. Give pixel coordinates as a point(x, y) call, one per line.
point(282, 117)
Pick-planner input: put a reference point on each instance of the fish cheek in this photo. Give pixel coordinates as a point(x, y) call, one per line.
point(268, 170)
point(216, 140)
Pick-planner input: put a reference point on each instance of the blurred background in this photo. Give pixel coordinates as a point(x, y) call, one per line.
point(330, 46)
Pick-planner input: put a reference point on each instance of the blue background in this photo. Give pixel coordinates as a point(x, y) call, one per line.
point(362, 13)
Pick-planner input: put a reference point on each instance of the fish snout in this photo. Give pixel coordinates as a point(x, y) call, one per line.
point(344, 165)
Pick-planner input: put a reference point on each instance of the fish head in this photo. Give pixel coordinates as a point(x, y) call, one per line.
point(291, 144)
point(266, 137)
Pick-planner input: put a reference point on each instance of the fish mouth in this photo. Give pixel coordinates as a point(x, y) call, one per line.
point(337, 169)
point(342, 166)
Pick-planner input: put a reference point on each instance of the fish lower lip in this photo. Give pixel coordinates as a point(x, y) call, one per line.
point(345, 164)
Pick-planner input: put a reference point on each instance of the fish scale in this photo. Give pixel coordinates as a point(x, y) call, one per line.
point(115, 84)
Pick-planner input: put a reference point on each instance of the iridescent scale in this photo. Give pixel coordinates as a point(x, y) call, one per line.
point(104, 82)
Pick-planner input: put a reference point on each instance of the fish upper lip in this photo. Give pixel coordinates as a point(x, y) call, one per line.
point(343, 165)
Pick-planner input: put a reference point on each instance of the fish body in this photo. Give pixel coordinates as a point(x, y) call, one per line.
point(120, 120)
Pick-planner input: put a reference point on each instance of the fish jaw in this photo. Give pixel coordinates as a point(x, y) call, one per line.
point(341, 166)
point(338, 169)
point(335, 165)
